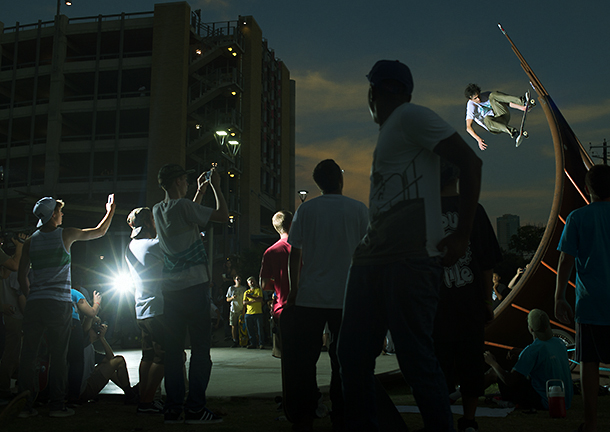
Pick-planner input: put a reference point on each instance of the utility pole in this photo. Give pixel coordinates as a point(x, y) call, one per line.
point(604, 148)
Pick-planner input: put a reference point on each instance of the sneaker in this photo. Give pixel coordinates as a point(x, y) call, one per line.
point(27, 413)
point(173, 418)
point(205, 416)
point(235, 345)
point(464, 425)
point(149, 408)
point(66, 412)
point(251, 347)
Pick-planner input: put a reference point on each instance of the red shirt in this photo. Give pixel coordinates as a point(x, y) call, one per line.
point(275, 268)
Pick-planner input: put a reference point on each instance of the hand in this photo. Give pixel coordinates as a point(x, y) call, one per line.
point(202, 183)
point(490, 359)
point(215, 179)
point(110, 205)
point(481, 143)
point(453, 248)
point(563, 311)
point(103, 330)
point(97, 298)
point(8, 310)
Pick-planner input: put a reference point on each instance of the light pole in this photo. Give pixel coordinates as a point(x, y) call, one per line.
point(66, 2)
point(303, 195)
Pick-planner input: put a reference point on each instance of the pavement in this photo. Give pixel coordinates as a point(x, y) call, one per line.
point(247, 373)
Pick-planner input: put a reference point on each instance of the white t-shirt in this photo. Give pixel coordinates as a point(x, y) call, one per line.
point(327, 229)
point(405, 203)
point(145, 261)
point(478, 111)
point(237, 304)
point(178, 222)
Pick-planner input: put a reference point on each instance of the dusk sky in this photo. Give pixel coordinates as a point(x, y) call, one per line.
point(329, 47)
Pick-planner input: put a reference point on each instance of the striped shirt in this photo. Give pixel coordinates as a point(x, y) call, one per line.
point(51, 277)
point(185, 260)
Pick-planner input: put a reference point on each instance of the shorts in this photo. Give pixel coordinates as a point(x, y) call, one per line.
point(592, 343)
point(152, 339)
point(95, 383)
point(234, 318)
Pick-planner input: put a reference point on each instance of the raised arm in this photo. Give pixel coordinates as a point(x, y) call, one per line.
point(455, 150)
point(472, 133)
point(13, 262)
point(70, 235)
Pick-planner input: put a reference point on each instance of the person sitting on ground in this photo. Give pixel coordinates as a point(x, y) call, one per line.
point(253, 301)
point(76, 345)
point(111, 367)
point(544, 359)
point(490, 111)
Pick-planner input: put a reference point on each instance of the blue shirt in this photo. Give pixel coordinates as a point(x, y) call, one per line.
point(586, 237)
point(76, 297)
point(545, 360)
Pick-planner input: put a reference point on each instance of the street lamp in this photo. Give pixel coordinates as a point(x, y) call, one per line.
point(66, 2)
point(303, 195)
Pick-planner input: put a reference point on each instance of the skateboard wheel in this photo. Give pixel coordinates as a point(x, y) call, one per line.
point(525, 134)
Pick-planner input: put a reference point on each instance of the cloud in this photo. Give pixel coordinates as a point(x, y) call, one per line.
point(353, 156)
point(317, 93)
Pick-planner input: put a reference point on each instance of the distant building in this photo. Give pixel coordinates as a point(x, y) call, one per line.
point(506, 227)
point(90, 106)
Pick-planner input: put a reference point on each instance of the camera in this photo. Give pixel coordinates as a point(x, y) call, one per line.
point(208, 175)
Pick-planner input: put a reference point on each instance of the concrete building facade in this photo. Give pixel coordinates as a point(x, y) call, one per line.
point(96, 105)
point(507, 226)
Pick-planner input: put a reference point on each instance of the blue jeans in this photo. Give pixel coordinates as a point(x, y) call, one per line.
point(254, 324)
point(188, 308)
point(401, 296)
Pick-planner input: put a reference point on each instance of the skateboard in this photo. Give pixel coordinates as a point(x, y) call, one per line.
point(522, 132)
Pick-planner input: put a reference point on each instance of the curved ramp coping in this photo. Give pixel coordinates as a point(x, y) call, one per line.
point(536, 288)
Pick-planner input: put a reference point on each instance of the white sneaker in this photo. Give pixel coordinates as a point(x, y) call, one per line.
point(66, 412)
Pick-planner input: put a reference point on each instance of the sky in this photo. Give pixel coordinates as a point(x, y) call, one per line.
point(329, 46)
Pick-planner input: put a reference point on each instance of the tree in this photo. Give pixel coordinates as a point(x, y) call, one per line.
point(527, 240)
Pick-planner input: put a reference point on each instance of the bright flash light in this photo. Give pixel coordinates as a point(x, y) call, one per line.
point(230, 49)
point(234, 54)
point(221, 133)
point(233, 142)
point(123, 283)
point(198, 51)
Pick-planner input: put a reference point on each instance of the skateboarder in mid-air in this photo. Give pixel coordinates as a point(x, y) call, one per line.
point(490, 111)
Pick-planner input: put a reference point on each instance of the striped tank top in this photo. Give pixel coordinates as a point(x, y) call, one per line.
point(51, 277)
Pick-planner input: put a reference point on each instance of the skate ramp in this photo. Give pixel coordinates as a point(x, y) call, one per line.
point(536, 288)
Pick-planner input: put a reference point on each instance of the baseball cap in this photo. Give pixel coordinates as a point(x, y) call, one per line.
point(539, 322)
point(137, 219)
point(391, 70)
point(169, 172)
point(44, 209)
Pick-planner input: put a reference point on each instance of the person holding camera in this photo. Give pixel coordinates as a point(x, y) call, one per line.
point(49, 306)
point(111, 367)
point(186, 289)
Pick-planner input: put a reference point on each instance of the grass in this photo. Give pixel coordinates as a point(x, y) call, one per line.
point(260, 414)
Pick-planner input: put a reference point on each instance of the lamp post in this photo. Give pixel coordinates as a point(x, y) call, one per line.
point(303, 195)
point(66, 2)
